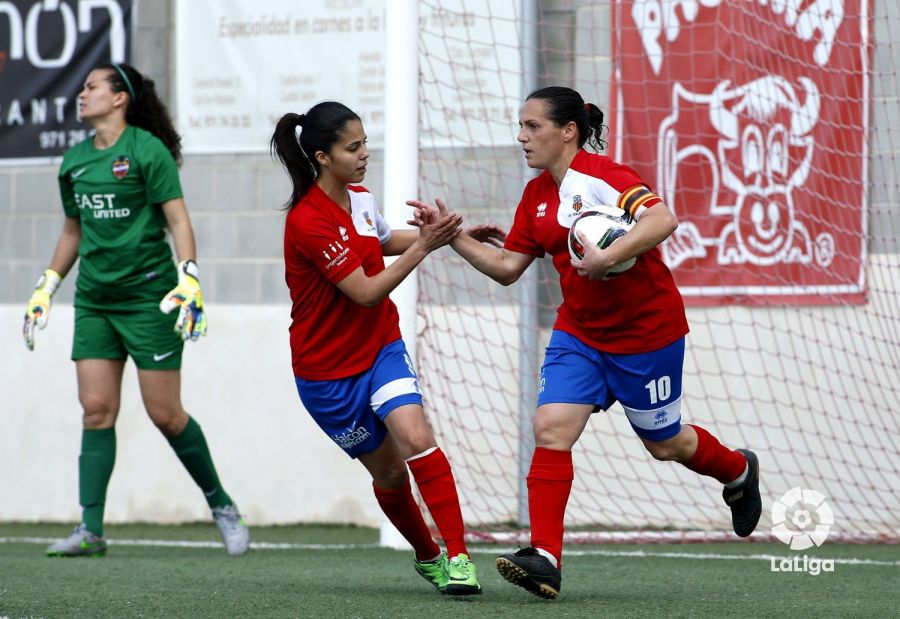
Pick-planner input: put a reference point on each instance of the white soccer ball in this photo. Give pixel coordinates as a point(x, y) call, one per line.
point(602, 228)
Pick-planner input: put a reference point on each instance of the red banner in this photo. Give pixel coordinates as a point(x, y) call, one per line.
point(750, 119)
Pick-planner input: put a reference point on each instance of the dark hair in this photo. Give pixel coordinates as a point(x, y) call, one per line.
point(565, 105)
point(144, 109)
point(321, 127)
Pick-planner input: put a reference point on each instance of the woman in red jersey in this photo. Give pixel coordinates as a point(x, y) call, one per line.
point(351, 367)
point(614, 339)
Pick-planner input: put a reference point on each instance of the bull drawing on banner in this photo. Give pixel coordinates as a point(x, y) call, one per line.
point(763, 151)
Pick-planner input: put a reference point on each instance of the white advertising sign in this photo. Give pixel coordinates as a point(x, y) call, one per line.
point(471, 72)
point(242, 64)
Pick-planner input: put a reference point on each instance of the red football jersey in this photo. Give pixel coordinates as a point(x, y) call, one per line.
point(637, 311)
point(331, 336)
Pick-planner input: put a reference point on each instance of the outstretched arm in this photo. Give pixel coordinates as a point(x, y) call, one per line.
point(492, 234)
point(400, 241)
point(501, 265)
point(370, 291)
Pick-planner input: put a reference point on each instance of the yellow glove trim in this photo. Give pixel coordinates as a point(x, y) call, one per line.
point(38, 310)
point(191, 321)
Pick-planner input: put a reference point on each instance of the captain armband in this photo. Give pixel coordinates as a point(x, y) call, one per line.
point(635, 200)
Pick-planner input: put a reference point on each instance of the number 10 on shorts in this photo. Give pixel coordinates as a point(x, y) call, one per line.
point(660, 389)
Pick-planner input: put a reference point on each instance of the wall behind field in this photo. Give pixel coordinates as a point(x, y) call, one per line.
point(273, 460)
point(237, 382)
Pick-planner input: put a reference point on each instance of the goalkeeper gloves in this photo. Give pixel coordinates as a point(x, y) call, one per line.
point(38, 310)
point(191, 322)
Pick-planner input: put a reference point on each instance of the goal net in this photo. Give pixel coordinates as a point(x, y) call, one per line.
point(768, 129)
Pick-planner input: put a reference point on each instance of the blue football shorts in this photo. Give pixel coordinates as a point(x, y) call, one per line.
point(648, 385)
point(351, 411)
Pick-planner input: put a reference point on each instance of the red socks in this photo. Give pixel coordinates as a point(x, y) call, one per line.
point(549, 484)
point(401, 509)
point(438, 489)
point(714, 459)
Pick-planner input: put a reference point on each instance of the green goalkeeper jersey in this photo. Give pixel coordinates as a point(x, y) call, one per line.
point(117, 194)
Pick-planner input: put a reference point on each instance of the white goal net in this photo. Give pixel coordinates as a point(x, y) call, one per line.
point(768, 127)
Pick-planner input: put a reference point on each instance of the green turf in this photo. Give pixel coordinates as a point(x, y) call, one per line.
point(366, 581)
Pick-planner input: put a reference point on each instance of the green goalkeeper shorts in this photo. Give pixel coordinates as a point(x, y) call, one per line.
point(144, 333)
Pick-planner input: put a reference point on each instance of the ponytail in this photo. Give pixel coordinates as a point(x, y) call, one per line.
point(285, 145)
point(595, 127)
point(298, 137)
point(565, 105)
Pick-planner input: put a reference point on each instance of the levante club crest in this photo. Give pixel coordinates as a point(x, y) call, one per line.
point(120, 167)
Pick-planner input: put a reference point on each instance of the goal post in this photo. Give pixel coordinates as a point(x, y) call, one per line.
point(529, 324)
point(401, 160)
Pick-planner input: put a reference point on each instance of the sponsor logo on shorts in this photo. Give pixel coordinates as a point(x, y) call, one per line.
point(165, 355)
point(351, 438)
point(660, 418)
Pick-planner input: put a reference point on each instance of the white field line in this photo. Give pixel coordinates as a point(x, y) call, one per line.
point(651, 537)
point(703, 556)
point(481, 550)
point(162, 543)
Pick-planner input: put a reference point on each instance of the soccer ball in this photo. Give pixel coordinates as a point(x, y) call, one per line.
point(603, 228)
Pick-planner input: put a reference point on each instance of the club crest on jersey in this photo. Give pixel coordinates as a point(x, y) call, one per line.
point(343, 232)
point(367, 218)
point(120, 167)
point(576, 202)
point(542, 209)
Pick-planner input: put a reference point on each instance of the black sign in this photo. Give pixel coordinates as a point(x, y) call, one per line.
point(45, 56)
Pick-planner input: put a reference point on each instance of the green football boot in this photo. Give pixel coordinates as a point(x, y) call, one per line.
point(434, 571)
point(462, 576)
point(80, 543)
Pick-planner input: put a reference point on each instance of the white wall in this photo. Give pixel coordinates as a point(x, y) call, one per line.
point(237, 382)
point(812, 389)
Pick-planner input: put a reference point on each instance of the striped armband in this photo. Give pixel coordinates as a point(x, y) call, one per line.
point(635, 200)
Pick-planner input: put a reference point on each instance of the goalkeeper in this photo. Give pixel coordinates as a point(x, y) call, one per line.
point(120, 191)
